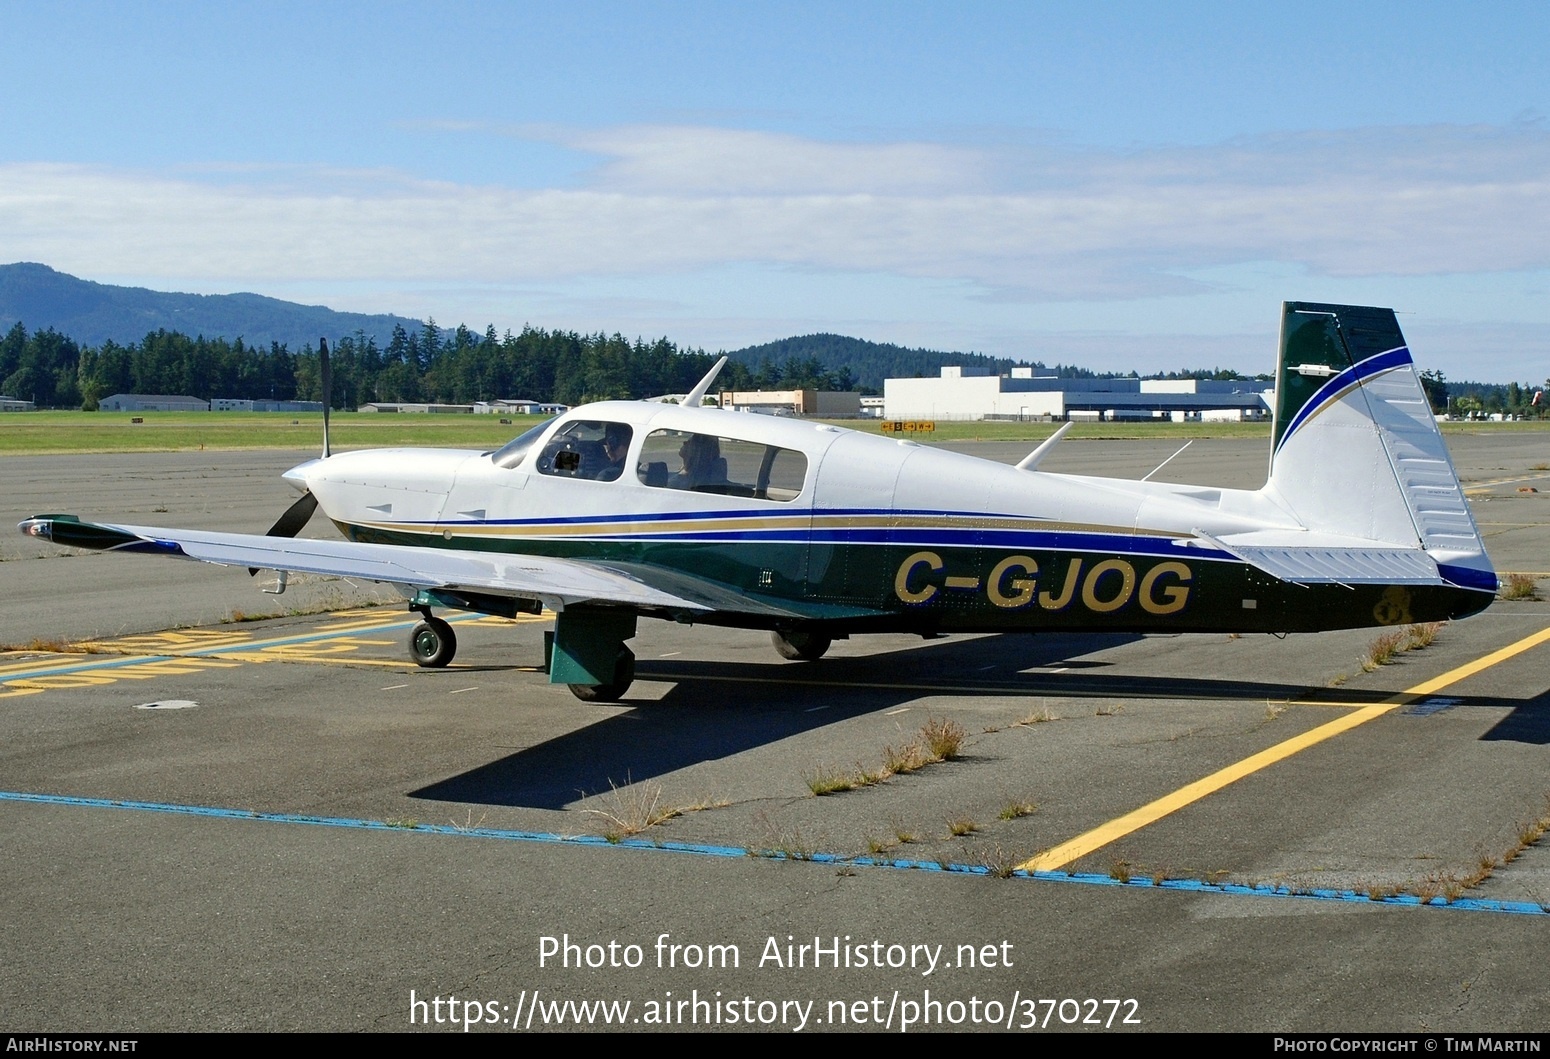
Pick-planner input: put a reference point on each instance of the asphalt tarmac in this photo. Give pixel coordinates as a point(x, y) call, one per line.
point(215, 822)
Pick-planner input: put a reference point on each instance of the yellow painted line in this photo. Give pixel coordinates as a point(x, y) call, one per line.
point(321, 660)
point(1506, 481)
point(1101, 836)
point(21, 667)
point(43, 669)
point(1453, 676)
point(359, 626)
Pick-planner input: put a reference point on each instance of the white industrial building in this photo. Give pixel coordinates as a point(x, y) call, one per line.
point(960, 395)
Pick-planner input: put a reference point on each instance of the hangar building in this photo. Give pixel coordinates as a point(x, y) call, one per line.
point(152, 402)
point(958, 394)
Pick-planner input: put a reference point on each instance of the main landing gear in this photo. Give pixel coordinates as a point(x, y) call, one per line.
point(800, 645)
point(586, 651)
point(613, 691)
point(432, 643)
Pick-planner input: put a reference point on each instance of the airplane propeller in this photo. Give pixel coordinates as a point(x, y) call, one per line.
point(296, 516)
point(300, 513)
point(327, 377)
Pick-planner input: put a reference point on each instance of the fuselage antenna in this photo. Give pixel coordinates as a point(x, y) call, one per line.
point(693, 398)
point(1031, 461)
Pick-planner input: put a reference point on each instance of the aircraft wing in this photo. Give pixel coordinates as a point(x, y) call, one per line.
point(557, 582)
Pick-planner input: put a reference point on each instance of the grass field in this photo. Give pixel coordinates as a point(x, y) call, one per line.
point(38, 433)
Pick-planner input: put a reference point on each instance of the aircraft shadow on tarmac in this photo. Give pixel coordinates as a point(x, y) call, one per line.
point(718, 709)
point(1529, 721)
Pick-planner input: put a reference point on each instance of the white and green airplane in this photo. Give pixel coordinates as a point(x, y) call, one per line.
point(625, 509)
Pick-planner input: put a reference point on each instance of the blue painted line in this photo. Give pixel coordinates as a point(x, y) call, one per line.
point(315, 636)
point(119, 661)
point(707, 850)
point(1463, 904)
point(1427, 707)
point(47, 670)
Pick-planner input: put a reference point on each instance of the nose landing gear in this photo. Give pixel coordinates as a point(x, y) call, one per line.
point(432, 643)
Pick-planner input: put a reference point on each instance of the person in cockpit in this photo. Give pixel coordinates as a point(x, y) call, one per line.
point(703, 466)
point(616, 445)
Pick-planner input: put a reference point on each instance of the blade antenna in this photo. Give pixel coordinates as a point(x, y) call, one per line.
point(1169, 460)
point(1031, 461)
point(327, 372)
point(693, 398)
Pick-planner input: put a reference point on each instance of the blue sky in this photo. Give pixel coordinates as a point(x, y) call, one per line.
point(1118, 185)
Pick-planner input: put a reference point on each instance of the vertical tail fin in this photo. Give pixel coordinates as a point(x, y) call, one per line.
point(1355, 447)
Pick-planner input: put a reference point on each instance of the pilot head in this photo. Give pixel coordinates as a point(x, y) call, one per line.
point(616, 440)
point(699, 453)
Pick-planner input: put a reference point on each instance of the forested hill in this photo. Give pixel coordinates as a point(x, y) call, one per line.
point(869, 363)
point(94, 313)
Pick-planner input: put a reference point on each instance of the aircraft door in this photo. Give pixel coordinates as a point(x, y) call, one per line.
point(853, 507)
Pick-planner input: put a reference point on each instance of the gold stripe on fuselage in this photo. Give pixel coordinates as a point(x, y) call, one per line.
point(799, 522)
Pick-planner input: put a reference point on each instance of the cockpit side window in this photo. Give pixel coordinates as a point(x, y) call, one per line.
point(595, 450)
point(705, 463)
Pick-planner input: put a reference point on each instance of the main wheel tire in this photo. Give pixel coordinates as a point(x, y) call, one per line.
point(801, 646)
point(432, 643)
point(613, 691)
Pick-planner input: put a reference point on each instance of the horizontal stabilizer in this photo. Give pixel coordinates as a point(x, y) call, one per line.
point(1331, 561)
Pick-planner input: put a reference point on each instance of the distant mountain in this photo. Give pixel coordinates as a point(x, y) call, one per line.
point(869, 362)
point(91, 313)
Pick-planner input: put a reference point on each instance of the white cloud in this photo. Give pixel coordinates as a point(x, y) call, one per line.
point(680, 160)
point(1018, 223)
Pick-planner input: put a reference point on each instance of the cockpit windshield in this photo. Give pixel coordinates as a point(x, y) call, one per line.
point(511, 453)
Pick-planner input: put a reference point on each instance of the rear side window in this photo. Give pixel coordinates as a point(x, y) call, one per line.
point(706, 463)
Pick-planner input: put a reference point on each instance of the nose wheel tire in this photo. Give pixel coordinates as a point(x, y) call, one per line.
point(800, 646)
point(432, 643)
point(613, 691)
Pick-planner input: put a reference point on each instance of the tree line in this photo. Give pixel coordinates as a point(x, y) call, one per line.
point(460, 366)
point(456, 366)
